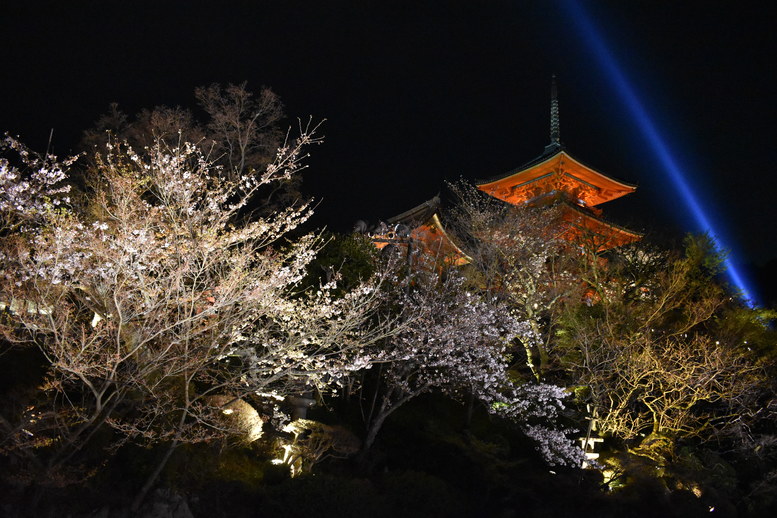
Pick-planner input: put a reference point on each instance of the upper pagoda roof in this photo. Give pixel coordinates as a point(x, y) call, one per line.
point(555, 170)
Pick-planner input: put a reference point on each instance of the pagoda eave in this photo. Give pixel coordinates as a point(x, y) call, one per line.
point(588, 230)
point(558, 172)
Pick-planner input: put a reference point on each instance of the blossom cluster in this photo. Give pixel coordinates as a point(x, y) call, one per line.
point(455, 341)
point(32, 185)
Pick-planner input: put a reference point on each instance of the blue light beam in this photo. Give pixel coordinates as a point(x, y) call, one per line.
point(629, 98)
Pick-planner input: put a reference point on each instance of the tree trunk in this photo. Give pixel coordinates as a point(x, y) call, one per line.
point(151, 480)
point(386, 409)
point(373, 430)
point(470, 410)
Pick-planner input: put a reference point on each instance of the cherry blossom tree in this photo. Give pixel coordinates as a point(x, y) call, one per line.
point(159, 297)
point(455, 343)
point(519, 254)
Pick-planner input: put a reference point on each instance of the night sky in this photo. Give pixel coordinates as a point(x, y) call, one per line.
point(417, 92)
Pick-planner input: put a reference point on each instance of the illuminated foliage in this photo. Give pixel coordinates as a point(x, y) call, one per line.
point(648, 349)
point(158, 305)
point(30, 184)
point(454, 341)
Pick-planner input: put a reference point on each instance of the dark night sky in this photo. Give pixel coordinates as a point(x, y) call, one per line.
point(417, 92)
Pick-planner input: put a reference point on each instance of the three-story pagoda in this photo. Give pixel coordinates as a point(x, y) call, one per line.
point(555, 177)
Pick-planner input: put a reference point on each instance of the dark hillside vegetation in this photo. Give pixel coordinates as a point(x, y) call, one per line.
point(177, 341)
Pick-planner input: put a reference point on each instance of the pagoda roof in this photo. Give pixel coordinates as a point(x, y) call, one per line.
point(603, 234)
point(422, 226)
point(419, 214)
point(555, 169)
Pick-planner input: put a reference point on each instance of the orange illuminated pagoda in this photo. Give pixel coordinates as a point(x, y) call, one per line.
point(555, 177)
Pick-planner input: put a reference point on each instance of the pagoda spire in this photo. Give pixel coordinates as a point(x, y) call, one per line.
point(555, 134)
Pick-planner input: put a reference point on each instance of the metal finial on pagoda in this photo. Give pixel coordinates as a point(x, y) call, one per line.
point(555, 135)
